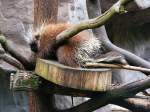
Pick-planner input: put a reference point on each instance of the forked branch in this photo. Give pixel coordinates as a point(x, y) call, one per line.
point(120, 92)
point(93, 23)
point(99, 21)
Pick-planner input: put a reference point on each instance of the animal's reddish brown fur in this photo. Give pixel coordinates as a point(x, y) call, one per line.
point(65, 53)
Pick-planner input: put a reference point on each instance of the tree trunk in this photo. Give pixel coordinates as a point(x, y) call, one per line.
point(45, 11)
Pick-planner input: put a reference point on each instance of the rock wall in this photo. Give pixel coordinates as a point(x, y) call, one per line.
point(16, 19)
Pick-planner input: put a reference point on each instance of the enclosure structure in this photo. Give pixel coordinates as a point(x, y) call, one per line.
point(76, 78)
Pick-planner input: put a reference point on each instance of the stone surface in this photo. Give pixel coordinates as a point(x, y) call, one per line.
point(127, 76)
point(12, 101)
point(130, 31)
point(112, 108)
point(65, 102)
point(143, 3)
point(16, 19)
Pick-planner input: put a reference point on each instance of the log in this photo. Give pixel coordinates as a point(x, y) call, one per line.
point(134, 104)
point(11, 60)
point(45, 11)
point(117, 93)
point(19, 60)
point(77, 78)
point(117, 66)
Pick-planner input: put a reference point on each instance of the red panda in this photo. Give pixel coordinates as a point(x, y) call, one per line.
point(71, 53)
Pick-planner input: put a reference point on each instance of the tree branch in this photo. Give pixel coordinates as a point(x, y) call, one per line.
point(11, 61)
point(99, 21)
point(117, 93)
point(130, 57)
point(134, 104)
point(120, 66)
point(27, 63)
point(93, 23)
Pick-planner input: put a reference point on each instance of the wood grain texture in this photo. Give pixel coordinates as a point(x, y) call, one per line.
point(78, 78)
point(45, 11)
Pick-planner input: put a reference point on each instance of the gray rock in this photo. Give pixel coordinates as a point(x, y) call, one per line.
point(12, 101)
point(127, 76)
point(16, 16)
point(112, 108)
point(143, 3)
point(16, 19)
point(62, 102)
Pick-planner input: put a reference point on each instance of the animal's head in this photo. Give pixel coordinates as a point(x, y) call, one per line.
point(35, 43)
point(45, 38)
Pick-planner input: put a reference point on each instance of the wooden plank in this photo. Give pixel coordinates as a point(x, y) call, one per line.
point(77, 78)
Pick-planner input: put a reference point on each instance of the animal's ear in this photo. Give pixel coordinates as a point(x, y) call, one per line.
point(37, 36)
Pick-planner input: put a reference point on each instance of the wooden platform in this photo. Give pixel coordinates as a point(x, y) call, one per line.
point(77, 78)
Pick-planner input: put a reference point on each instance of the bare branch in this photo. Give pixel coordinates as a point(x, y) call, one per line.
point(118, 93)
point(15, 54)
point(131, 58)
point(99, 21)
point(120, 66)
point(134, 104)
point(93, 23)
point(11, 61)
